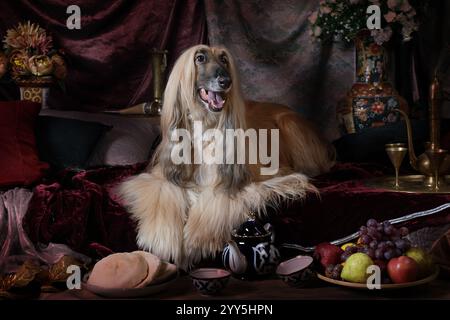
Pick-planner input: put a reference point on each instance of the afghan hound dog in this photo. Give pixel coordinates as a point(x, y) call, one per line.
point(186, 210)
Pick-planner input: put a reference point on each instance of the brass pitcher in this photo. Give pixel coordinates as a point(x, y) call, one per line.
point(422, 163)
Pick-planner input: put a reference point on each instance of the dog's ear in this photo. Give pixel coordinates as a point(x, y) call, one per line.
point(172, 112)
point(234, 115)
point(172, 115)
point(180, 93)
point(178, 100)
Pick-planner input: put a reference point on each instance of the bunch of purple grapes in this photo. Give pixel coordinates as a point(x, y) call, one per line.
point(381, 241)
point(334, 271)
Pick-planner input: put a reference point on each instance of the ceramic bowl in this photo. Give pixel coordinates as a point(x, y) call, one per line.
point(297, 272)
point(209, 281)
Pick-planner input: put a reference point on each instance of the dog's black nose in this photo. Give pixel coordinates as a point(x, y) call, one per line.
point(224, 82)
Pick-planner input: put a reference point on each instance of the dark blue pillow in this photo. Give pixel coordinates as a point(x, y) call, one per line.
point(67, 143)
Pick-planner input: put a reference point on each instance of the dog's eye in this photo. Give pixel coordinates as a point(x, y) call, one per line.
point(224, 59)
point(200, 58)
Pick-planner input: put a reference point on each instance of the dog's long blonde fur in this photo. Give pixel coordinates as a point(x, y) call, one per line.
point(187, 212)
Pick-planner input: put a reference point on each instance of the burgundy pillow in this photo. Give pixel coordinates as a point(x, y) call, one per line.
point(19, 161)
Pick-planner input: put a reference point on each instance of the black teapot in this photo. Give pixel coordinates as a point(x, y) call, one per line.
point(251, 252)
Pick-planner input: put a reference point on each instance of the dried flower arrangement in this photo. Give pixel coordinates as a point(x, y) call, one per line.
point(29, 54)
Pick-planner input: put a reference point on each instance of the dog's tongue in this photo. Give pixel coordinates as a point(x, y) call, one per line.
point(215, 99)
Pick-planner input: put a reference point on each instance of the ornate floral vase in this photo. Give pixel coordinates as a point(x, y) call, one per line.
point(372, 100)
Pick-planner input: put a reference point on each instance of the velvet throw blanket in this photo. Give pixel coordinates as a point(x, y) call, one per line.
point(109, 57)
point(81, 210)
point(15, 246)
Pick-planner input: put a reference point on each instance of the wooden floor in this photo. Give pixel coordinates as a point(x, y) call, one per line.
point(275, 289)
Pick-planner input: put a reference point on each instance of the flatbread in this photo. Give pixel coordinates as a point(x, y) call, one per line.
point(119, 270)
point(154, 266)
point(166, 272)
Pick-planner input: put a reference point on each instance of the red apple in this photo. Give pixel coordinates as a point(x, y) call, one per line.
point(402, 269)
point(328, 253)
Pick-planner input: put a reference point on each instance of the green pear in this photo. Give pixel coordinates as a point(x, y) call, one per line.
point(423, 259)
point(355, 268)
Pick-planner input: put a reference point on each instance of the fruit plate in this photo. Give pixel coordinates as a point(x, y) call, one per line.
point(390, 286)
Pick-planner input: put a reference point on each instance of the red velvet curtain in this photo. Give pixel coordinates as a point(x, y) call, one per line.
point(109, 57)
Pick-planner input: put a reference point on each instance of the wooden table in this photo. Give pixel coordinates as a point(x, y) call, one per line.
point(274, 289)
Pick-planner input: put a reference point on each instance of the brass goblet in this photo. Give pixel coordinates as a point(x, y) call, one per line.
point(436, 157)
point(396, 155)
point(395, 145)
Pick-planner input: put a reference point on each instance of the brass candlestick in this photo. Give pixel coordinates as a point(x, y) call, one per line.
point(159, 64)
point(436, 157)
point(152, 108)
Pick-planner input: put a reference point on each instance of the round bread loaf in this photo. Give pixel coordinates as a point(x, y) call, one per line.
point(119, 270)
point(154, 264)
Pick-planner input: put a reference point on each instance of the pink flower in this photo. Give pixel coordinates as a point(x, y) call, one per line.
point(317, 31)
point(405, 7)
point(325, 9)
point(401, 18)
point(393, 3)
point(313, 17)
point(390, 16)
point(411, 13)
point(381, 36)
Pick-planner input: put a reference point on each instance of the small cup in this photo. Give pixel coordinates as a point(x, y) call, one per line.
point(210, 281)
point(297, 272)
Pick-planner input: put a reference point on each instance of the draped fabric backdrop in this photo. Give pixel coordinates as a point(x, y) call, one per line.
point(280, 62)
point(277, 58)
point(109, 57)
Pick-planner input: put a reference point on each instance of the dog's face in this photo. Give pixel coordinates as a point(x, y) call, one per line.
point(213, 79)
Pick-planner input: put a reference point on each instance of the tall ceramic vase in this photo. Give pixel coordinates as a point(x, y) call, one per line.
point(372, 100)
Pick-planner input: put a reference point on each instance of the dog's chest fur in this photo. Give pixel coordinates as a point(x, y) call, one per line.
point(206, 174)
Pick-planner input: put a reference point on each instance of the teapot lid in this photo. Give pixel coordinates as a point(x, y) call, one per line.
point(251, 228)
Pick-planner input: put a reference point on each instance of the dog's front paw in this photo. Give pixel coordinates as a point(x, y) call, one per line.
point(163, 241)
point(151, 201)
point(198, 245)
point(211, 220)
